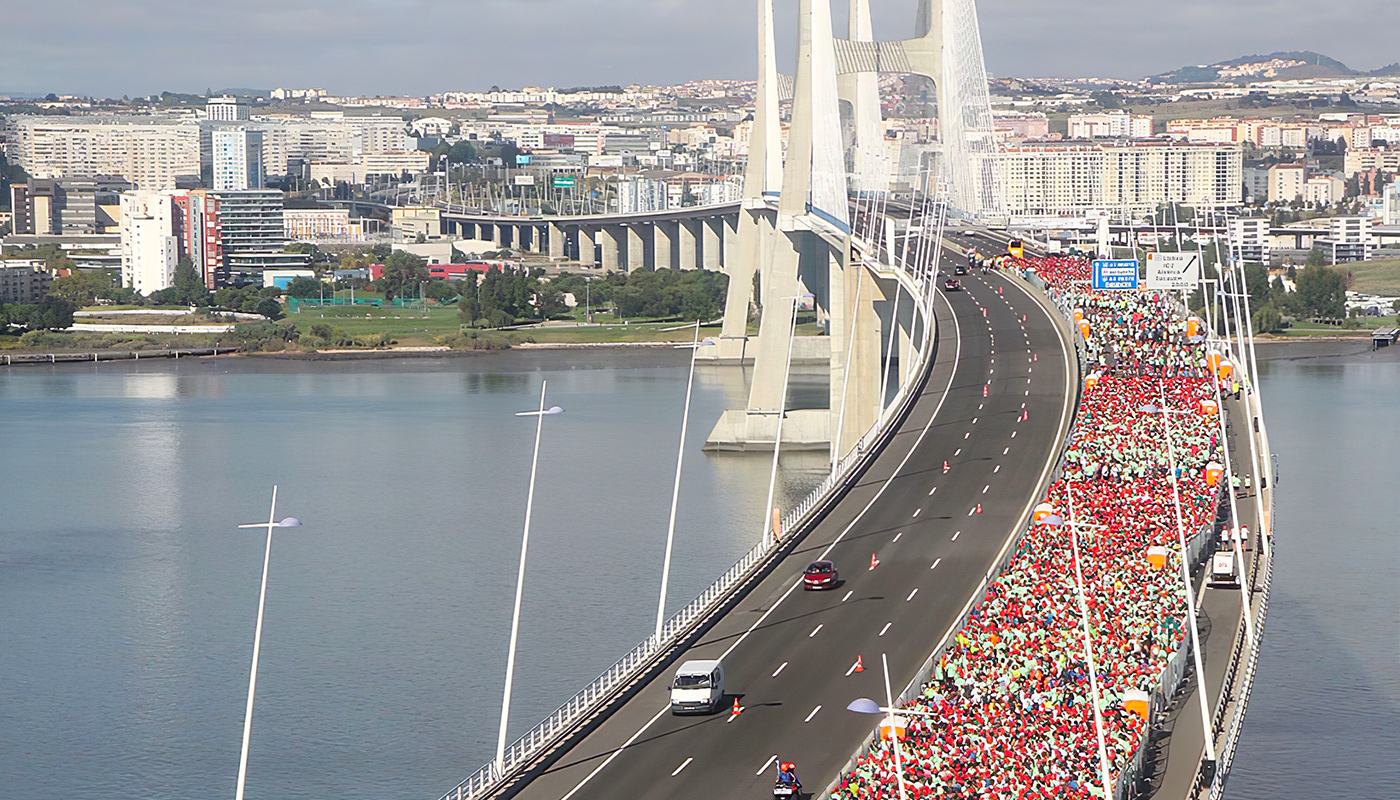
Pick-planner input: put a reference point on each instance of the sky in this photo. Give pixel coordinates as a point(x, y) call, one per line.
point(421, 47)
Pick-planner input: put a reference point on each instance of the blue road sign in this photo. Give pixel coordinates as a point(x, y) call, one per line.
point(1115, 274)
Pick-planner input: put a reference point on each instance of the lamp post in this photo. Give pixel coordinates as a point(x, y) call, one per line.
point(1057, 521)
point(272, 522)
point(1186, 587)
point(864, 705)
point(520, 577)
point(676, 490)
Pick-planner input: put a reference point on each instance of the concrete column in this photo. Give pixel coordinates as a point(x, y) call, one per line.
point(613, 237)
point(752, 245)
point(710, 245)
point(636, 248)
point(556, 241)
point(588, 247)
point(663, 244)
point(688, 234)
point(730, 249)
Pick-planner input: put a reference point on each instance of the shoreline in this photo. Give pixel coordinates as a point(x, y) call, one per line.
point(1331, 350)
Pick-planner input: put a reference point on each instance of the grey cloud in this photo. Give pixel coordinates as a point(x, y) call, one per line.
point(423, 46)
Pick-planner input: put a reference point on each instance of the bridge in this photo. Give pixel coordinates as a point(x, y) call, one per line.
point(946, 427)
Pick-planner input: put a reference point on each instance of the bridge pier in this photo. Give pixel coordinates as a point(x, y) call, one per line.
point(613, 241)
point(688, 243)
point(712, 243)
point(664, 240)
point(636, 248)
point(557, 236)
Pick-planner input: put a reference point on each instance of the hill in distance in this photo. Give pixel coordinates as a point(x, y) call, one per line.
point(1289, 65)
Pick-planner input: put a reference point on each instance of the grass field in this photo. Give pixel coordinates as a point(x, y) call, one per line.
point(1381, 276)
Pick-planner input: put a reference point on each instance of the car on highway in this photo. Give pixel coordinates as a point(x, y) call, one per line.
point(952, 285)
point(820, 575)
point(959, 269)
point(698, 687)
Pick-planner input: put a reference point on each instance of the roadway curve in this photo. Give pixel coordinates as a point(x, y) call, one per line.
point(788, 653)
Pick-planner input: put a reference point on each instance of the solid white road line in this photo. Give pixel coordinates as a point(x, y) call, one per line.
point(683, 765)
point(618, 752)
point(814, 631)
point(887, 627)
point(813, 714)
point(781, 667)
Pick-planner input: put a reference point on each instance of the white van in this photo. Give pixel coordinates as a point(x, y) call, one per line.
point(698, 688)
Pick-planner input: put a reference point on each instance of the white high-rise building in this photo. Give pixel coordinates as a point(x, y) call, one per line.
point(1125, 178)
point(1390, 205)
point(150, 248)
point(1286, 182)
point(238, 159)
point(1249, 239)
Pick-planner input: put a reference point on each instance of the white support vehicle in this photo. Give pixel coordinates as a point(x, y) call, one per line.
point(1222, 569)
point(698, 688)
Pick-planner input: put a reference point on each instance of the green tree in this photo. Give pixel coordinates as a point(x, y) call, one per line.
point(80, 288)
point(189, 284)
point(402, 271)
point(1317, 257)
point(1267, 319)
point(269, 308)
point(51, 313)
point(304, 288)
point(1322, 292)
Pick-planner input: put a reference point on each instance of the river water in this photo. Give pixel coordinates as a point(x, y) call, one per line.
point(1324, 716)
point(128, 593)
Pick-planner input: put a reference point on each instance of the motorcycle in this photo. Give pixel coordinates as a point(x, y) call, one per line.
point(787, 787)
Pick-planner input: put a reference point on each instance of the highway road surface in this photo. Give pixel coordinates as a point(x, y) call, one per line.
point(996, 406)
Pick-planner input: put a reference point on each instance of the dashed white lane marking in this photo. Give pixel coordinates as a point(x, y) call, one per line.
point(1007, 450)
point(967, 435)
point(974, 420)
point(766, 765)
point(934, 489)
point(780, 668)
point(897, 535)
point(1028, 393)
point(956, 535)
point(957, 452)
point(813, 714)
point(853, 668)
point(997, 468)
point(887, 627)
point(814, 631)
point(917, 511)
point(686, 763)
point(935, 563)
point(1013, 434)
point(985, 488)
point(849, 592)
point(911, 594)
point(979, 406)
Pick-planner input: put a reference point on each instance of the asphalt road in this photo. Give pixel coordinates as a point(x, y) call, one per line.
point(788, 653)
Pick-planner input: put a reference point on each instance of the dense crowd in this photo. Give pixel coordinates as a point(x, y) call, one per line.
point(1010, 698)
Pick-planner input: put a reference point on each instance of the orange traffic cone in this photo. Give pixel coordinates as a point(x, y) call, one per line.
point(979, 508)
point(998, 290)
point(1034, 357)
point(945, 467)
point(859, 666)
point(984, 390)
point(984, 312)
point(1025, 415)
point(736, 710)
point(1023, 317)
point(874, 562)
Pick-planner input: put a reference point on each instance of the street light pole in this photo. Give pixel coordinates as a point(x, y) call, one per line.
point(1088, 644)
point(272, 522)
point(520, 577)
point(676, 491)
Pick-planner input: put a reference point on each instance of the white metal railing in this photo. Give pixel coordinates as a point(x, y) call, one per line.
point(592, 698)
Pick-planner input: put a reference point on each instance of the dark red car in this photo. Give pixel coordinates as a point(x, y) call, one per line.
point(820, 575)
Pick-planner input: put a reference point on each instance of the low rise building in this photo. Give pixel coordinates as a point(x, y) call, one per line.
point(1348, 239)
point(23, 283)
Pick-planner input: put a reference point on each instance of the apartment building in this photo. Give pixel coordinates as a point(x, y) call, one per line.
point(1286, 182)
point(1385, 159)
point(225, 109)
point(150, 248)
point(152, 155)
point(1249, 239)
point(1073, 179)
point(1348, 239)
point(24, 283)
point(1110, 125)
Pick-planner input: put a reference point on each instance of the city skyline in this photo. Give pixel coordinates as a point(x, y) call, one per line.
point(421, 47)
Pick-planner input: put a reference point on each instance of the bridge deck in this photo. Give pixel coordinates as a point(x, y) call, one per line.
point(788, 653)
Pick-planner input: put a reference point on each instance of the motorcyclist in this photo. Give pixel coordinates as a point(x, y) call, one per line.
point(787, 775)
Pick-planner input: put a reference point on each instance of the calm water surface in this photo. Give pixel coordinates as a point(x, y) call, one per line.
point(129, 593)
point(1324, 717)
